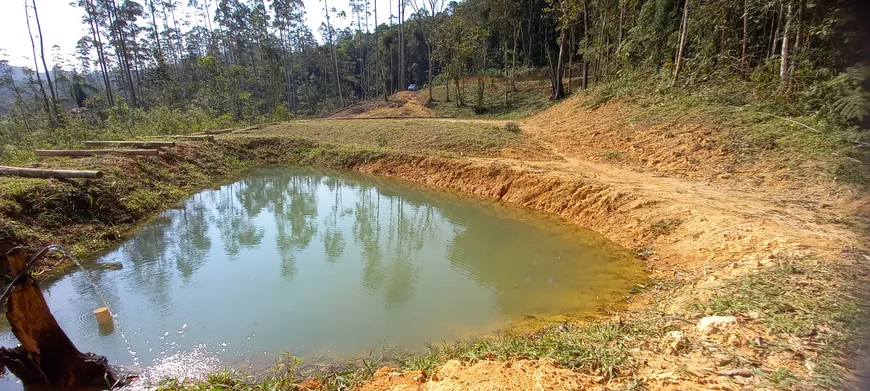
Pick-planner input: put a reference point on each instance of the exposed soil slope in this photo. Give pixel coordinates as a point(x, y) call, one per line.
point(486, 375)
point(699, 229)
point(403, 104)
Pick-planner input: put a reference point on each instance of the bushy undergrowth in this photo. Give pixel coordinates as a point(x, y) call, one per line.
point(824, 117)
point(19, 136)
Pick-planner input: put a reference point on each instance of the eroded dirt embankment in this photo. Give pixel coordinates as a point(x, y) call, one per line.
point(672, 222)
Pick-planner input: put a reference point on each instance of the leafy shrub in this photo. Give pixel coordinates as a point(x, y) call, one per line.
point(844, 99)
point(512, 127)
point(281, 113)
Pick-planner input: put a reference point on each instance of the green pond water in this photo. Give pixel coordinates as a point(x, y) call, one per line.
point(331, 263)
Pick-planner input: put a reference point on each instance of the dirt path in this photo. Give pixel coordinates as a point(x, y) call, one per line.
point(401, 104)
point(726, 206)
point(700, 231)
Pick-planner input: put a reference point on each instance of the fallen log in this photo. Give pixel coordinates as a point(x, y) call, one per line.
point(189, 137)
point(220, 131)
point(46, 356)
point(93, 152)
point(141, 144)
point(194, 138)
point(43, 173)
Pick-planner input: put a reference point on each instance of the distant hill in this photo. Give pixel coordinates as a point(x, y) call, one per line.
point(7, 98)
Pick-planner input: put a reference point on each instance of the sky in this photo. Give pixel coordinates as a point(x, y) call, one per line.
point(62, 26)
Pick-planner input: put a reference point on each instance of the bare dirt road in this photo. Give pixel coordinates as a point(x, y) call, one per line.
point(401, 104)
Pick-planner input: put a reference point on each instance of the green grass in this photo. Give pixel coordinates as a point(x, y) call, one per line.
point(822, 304)
point(600, 348)
point(429, 136)
point(512, 127)
point(754, 122)
point(530, 98)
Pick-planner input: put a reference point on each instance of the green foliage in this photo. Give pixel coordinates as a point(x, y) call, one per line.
point(843, 99)
point(281, 113)
point(781, 378)
point(795, 298)
point(601, 348)
point(121, 122)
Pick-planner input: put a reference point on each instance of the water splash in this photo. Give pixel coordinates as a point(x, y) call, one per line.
point(192, 365)
point(105, 302)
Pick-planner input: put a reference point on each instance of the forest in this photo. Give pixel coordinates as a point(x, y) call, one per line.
point(142, 68)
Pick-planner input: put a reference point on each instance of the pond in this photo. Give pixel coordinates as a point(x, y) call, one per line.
point(323, 263)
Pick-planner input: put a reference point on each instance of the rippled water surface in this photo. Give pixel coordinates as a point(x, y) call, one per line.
point(311, 262)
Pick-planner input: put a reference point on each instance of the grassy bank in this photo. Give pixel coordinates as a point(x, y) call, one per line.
point(802, 133)
point(529, 98)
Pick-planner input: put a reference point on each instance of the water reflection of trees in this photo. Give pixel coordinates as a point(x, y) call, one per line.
point(147, 254)
point(333, 238)
point(191, 230)
point(234, 220)
point(392, 248)
point(295, 218)
point(392, 228)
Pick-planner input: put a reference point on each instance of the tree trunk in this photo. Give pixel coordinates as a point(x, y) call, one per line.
point(121, 50)
point(528, 48)
point(101, 55)
point(459, 102)
point(506, 74)
point(46, 356)
point(139, 144)
point(49, 112)
point(480, 83)
point(743, 62)
point(42, 173)
point(796, 48)
point(429, 55)
point(392, 46)
point(777, 20)
point(585, 45)
point(619, 33)
point(380, 79)
point(402, 84)
point(600, 59)
point(334, 56)
point(557, 87)
point(94, 152)
point(684, 30)
point(54, 100)
point(783, 65)
point(571, 61)
point(159, 55)
point(447, 88)
point(287, 76)
point(514, 62)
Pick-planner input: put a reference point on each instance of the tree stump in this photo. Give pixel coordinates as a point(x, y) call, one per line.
point(46, 356)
